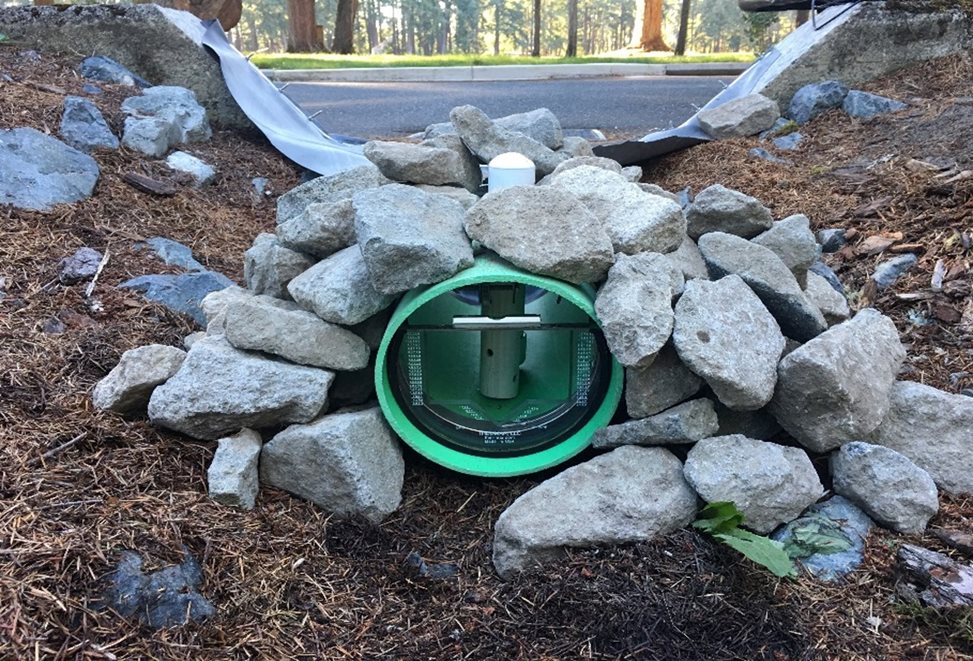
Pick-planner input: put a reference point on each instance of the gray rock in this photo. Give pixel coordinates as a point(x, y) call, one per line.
point(719, 209)
point(544, 230)
point(541, 125)
point(152, 136)
point(410, 238)
point(833, 306)
point(788, 142)
point(202, 172)
point(165, 598)
point(631, 494)
point(770, 484)
point(829, 538)
point(768, 277)
point(192, 338)
point(347, 463)
point(423, 164)
point(863, 105)
point(220, 390)
point(338, 289)
point(661, 385)
point(215, 305)
point(461, 195)
point(171, 252)
point(757, 424)
point(689, 260)
point(321, 229)
point(633, 173)
point(825, 272)
point(724, 334)
point(890, 488)
point(232, 475)
point(831, 240)
point(761, 153)
point(635, 220)
point(575, 146)
point(793, 241)
point(593, 161)
point(268, 267)
point(127, 388)
point(655, 189)
point(932, 428)
point(488, 140)
point(82, 265)
point(180, 293)
point(634, 307)
point(176, 105)
point(891, 270)
point(296, 335)
point(688, 422)
point(330, 190)
point(436, 130)
point(93, 90)
point(38, 171)
point(743, 116)
point(812, 100)
point(83, 126)
point(107, 70)
point(835, 388)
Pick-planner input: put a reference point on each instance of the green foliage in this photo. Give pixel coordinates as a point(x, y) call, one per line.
point(722, 520)
point(758, 29)
point(815, 534)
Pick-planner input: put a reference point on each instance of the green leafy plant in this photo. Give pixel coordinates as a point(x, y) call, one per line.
point(722, 520)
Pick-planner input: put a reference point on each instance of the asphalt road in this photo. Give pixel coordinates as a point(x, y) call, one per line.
point(619, 107)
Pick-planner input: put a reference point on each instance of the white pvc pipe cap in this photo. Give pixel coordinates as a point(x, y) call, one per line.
point(510, 169)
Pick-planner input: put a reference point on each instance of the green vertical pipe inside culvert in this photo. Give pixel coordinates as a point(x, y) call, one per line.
point(433, 390)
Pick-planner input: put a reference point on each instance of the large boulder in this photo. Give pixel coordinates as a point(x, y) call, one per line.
point(424, 164)
point(724, 334)
point(161, 45)
point(932, 428)
point(689, 260)
point(540, 125)
point(739, 118)
point(295, 335)
point(409, 238)
point(488, 140)
point(720, 209)
point(268, 267)
point(338, 289)
point(83, 126)
point(769, 278)
point(130, 383)
point(232, 475)
point(38, 171)
point(661, 385)
point(631, 494)
point(544, 230)
point(770, 484)
point(348, 463)
point(686, 423)
point(635, 220)
point(890, 488)
point(220, 390)
point(835, 388)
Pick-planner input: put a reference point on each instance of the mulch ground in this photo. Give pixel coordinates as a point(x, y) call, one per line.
point(78, 486)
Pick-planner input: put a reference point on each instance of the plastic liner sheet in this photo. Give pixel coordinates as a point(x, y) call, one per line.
point(754, 79)
point(284, 124)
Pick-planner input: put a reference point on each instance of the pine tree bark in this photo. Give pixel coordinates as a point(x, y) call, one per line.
point(652, 27)
point(683, 26)
point(572, 49)
point(302, 33)
point(344, 27)
point(536, 52)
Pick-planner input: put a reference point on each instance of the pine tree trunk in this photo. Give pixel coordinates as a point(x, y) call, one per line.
point(536, 52)
point(683, 26)
point(652, 27)
point(303, 36)
point(572, 50)
point(344, 27)
point(496, 26)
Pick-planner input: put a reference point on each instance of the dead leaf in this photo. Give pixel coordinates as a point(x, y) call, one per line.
point(946, 313)
point(954, 271)
point(875, 244)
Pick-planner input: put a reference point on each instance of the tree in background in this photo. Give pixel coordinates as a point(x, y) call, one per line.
point(303, 35)
point(572, 48)
point(652, 27)
point(683, 27)
point(344, 26)
point(536, 50)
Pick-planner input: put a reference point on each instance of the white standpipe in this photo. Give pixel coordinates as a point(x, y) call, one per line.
point(510, 169)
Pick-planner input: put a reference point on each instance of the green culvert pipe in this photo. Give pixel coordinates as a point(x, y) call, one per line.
point(497, 372)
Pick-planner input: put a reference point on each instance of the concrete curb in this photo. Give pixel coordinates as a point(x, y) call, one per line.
point(503, 72)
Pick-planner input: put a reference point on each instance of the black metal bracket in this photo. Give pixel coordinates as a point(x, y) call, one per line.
point(818, 6)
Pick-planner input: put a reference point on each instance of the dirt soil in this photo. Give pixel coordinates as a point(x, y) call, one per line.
point(78, 486)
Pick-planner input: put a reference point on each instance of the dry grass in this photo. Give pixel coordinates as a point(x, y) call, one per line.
point(77, 485)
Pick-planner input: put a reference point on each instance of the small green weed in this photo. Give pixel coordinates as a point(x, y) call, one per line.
point(722, 520)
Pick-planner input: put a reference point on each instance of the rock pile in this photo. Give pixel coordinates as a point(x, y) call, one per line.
point(727, 332)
